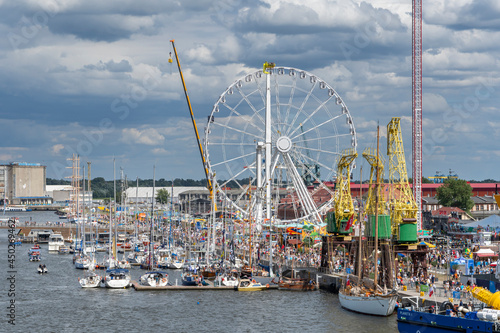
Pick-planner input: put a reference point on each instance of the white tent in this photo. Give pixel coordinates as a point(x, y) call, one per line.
point(492, 221)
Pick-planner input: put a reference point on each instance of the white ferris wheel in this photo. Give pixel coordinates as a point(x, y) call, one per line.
point(278, 131)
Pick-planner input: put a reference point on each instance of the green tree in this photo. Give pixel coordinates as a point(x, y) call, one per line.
point(426, 180)
point(162, 195)
point(455, 193)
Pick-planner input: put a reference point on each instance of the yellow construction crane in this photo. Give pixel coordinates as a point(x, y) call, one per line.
point(205, 166)
point(402, 205)
point(340, 218)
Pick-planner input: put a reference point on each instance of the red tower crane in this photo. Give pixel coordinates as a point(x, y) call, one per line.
point(417, 107)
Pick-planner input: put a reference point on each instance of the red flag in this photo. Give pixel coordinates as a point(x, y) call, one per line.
point(349, 222)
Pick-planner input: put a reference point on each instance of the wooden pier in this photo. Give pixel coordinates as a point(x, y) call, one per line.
point(140, 287)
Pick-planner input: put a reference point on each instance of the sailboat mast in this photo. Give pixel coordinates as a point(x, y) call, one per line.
point(376, 211)
point(136, 206)
point(360, 251)
point(250, 222)
point(151, 226)
point(114, 209)
point(171, 213)
point(82, 221)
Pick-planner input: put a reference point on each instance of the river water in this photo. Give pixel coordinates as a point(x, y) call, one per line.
point(55, 302)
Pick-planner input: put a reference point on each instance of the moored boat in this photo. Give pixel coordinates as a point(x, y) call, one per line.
point(63, 249)
point(84, 262)
point(250, 285)
point(154, 279)
point(191, 279)
point(413, 318)
point(56, 240)
point(90, 280)
point(297, 284)
point(117, 278)
point(369, 303)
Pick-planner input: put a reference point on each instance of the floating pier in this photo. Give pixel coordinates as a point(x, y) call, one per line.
point(140, 287)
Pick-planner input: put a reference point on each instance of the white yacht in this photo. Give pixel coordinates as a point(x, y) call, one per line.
point(84, 262)
point(90, 280)
point(154, 279)
point(377, 305)
point(55, 241)
point(174, 263)
point(117, 278)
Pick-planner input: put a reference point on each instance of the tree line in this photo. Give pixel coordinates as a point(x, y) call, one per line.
point(455, 192)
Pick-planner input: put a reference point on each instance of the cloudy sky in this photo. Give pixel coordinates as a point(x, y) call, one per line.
point(93, 78)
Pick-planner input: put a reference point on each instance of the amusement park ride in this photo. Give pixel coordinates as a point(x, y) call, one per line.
point(278, 129)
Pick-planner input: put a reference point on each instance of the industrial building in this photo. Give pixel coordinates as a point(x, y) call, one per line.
point(62, 194)
point(23, 184)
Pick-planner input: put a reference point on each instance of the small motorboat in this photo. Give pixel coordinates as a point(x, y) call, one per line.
point(251, 285)
point(154, 279)
point(297, 284)
point(34, 254)
point(42, 269)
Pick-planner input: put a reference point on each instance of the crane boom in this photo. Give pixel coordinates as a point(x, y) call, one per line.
point(209, 181)
point(403, 207)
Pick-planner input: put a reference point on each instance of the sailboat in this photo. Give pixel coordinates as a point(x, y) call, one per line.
point(83, 260)
point(365, 295)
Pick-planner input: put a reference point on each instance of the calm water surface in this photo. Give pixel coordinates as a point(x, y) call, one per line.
point(55, 302)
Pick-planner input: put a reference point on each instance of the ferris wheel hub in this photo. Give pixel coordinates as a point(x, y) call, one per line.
point(284, 144)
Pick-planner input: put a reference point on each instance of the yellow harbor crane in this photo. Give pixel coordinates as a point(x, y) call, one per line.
point(376, 190)
point(402, 204)
point(339, 219)
point(376, 163)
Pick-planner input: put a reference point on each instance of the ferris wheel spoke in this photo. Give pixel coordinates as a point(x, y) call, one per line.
point(278, 106)
point(299, 157)
point(310, 115)
point(231, 144)
point(232, 159)
point(262, 92)
point(240, 115)
point(240, 131)
point(299, 111)
point(314, 161)
point(308, 203)
point(290, 100)
point(249, 168)
point(250, 104)
point(245, 189)
point(318, 150)
point(329, 120)
point(324, 137)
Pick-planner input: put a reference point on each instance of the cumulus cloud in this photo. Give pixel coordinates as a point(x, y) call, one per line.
point(80, 64)
point(122, 66)
point(56, 149)
point(146, 136)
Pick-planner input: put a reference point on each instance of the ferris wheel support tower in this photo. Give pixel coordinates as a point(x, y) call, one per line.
point(417, 107)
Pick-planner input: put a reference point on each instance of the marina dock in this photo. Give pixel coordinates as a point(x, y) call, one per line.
point(211, 286)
